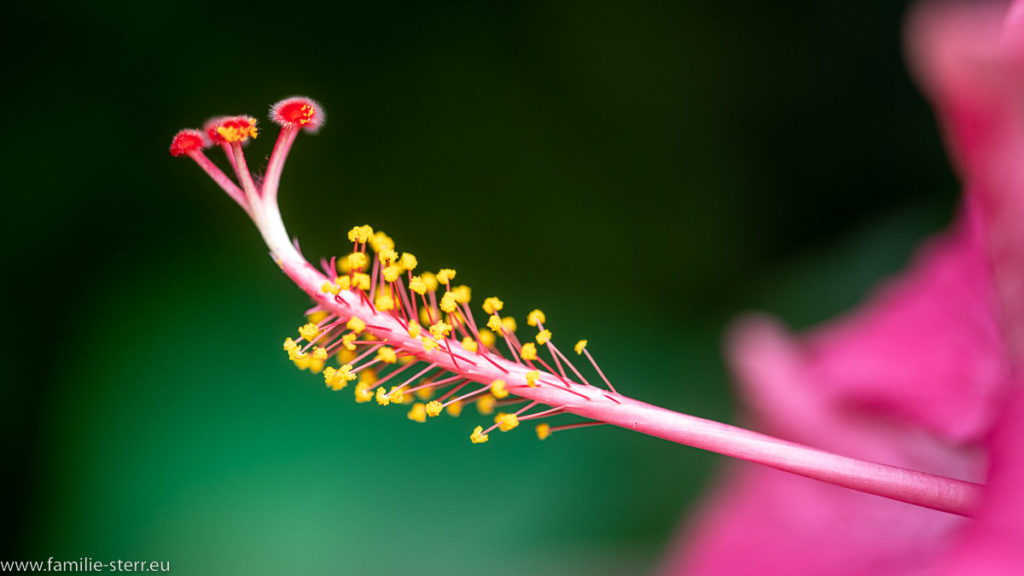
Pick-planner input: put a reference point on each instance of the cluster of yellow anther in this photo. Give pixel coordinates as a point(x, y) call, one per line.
point(336, 379)
point(396, 395)
point(308, 357)
point(440, 316)
point(506, 422)
point(360, 234)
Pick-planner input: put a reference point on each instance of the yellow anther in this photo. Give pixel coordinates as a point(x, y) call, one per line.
point(360, 233)
point(445, 275)
point(367, 376)
point(469, 344)
point(449, 302)
point(361, 281)
point(348, 340)
point(429, 345)
point(429, 280)
point(382, 397)
point(338, 379)
point(414, 330)
point(384, 302)
point(462, 293)
point(509, 324)
point(319, 353)
point(343, 283)
point(317, 317)
point(387, 355)
point(506, 422)
point(492, 305)
point(536, 317)
point(425, 393)
point(440, 329)
point(387, 256)
point(392, 273)
point(581, 346)
point(329, 375)
point(290, 344)
point(454, 409)
point(363, 393)
point(418, 413)
point(433, 408)
point(408, 261)
point(381, 241)
point(543, 337)
point(417, 285)
point(499, 389)
point(486, 337)
point(425, 316)
point(485, 404)
point(346, 356)
point(397, 395)
point(316, 365)
point(494, 323)
point(543, 431)
point(478, 436)
point(356, 324)
point(531, 378)
point(346, 370)
point(529, 351)
point(357, 261)
point(329, 288)
point(309, 331)
point(302, 362)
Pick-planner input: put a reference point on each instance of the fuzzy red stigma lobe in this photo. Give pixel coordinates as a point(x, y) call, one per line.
point(187, 141)
point(298, 111)
point(230, 129)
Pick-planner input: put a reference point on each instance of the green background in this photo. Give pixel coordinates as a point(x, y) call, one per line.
point(643, 172)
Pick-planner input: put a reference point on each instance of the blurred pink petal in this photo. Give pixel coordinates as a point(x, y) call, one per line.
point(925, 375)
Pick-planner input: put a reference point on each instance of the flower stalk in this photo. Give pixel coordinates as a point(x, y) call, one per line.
point(372, 319)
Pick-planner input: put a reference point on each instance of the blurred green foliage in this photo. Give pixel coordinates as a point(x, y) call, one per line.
point(643, 172)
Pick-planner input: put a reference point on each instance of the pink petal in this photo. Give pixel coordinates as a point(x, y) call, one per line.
point(969, 58)
point(763, 521)
point(994, 543)
point(926, 348)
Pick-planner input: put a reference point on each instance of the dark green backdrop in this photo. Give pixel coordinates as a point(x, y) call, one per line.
point(642, 171)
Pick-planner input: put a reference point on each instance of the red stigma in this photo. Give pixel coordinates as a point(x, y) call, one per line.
point(187, 141)
point(228, 129)
point(298, 111)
